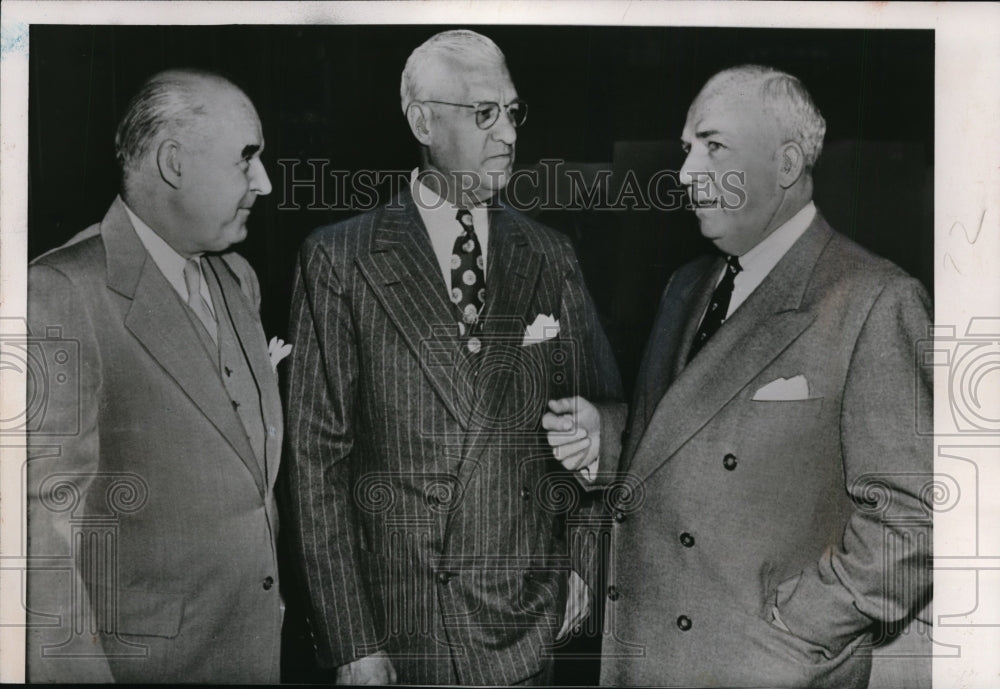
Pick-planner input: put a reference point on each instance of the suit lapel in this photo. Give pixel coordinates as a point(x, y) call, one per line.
point(698, 296)
point(511, 280)
point(683, 300)
point(252, 342)
point(403, 271)
point(157, 318)
point(757, 332)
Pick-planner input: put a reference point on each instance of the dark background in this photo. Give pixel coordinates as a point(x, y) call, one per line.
point(600, 98)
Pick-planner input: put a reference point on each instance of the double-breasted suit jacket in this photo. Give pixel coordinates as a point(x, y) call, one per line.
point(429, 513)
point(152, 520)
point(816, 503)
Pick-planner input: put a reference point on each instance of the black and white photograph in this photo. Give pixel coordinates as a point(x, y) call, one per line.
point(548, 344)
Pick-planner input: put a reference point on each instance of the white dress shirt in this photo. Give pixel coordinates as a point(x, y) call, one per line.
point(761, 259)
point(443, 227)
point(170, 263)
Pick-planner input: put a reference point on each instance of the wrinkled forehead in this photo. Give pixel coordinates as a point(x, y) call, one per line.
point(731, 106)
point(477, 79)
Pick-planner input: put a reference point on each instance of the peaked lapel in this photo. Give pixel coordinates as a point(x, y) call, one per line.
point(157, 318)
point(402, 270)
point(512, 274)
point(252, 341)
point(757, 332)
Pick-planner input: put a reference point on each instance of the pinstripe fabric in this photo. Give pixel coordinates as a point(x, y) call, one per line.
point(428, 513)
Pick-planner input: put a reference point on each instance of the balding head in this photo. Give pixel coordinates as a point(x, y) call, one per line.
point(169, 104)
point(189, 146)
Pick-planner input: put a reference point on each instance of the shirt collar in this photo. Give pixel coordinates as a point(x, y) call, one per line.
point(441, 223)
point(763, 257)
point(170, 263)
point(431, 204)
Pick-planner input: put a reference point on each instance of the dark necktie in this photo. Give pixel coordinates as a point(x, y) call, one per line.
point(468, 276)
point(718, 307)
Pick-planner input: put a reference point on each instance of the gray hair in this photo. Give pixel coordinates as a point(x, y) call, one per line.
point(458, 45)
point(168, 101)
point(785, 99)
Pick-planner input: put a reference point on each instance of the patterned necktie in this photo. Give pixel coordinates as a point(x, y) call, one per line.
point(192, 278)
point(718, 307)
point(468, 276)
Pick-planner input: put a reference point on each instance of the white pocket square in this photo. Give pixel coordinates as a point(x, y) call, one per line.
point(544, 328)
point(277, 350)
point(784, 389)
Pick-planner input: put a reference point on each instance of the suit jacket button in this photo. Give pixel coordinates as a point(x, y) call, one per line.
point(268, 583)
point(684, 623)
point(729, 461)
point(444, 578)
point(619, 516)
point(525, 493)
point(687, 540)
point(613, 593)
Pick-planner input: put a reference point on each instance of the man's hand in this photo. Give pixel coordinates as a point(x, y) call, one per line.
point(574, 431)
point(577, 605)
point(373, 669)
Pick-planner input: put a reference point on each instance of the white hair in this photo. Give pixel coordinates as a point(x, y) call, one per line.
point(460, 46)
point(784, 98)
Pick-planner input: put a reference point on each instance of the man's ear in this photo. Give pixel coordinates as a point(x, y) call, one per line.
point(418, 117)
point(791, 164)
point(168, 162)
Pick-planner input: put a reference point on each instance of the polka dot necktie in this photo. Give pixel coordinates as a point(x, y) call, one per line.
point(718, 307)
point(468, 276)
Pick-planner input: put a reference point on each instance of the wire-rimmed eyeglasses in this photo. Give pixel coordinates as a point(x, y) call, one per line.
point(487, 112)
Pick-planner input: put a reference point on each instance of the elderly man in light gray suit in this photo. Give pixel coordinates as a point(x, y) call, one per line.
point(151, 514)
point(780, 524)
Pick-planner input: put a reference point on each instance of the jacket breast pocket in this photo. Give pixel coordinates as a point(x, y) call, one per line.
point(141, 613)
point(785, 412)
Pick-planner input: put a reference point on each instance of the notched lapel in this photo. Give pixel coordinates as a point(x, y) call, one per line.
point(158, 320)
point(253, 342)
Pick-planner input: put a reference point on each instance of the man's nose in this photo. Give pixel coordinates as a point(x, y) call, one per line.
point(503, 129)
point(685, 174)
point(259, 181)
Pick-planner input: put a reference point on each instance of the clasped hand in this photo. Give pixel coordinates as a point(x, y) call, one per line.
point(573, 428)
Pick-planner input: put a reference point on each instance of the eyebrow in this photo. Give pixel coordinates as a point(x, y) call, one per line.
point(250, 150)
point(706, 133)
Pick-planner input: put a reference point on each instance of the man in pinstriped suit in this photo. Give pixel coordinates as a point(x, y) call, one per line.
point(428, 513)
